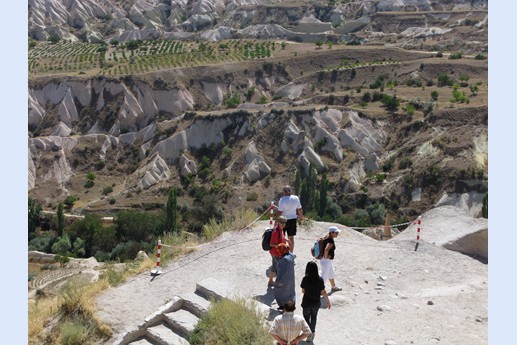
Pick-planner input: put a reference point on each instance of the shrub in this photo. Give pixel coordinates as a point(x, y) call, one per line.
point(253, 196)
point(107, 190)
point(480, 57)
point(455, 56)
point(434, 95)
point(231, 323)
point(89, 184)
point(70, 200)
point(405, 163)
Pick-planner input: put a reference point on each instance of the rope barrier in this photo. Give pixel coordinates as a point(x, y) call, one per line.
point(157, 271)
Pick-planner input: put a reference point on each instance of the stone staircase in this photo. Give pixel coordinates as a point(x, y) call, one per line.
point(173, 323)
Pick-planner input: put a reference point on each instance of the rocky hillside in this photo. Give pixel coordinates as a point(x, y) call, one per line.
point(448, 25)
point(239, 129)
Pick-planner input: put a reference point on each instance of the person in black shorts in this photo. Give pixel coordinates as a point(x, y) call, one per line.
point(290, 207)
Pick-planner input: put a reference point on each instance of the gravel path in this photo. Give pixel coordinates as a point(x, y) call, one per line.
point(391, 294)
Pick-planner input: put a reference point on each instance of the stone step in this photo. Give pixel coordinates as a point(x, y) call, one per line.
point(182, 322)
point(140, 342)
point(163, 335)
point(194, 303)
point(213, 288)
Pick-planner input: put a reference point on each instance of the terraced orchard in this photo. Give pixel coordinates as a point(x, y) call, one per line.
point(139, 56)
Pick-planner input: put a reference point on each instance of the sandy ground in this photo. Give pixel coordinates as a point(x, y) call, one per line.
point(391, 294)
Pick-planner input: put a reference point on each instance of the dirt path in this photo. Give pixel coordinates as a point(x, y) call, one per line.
point(391, 294)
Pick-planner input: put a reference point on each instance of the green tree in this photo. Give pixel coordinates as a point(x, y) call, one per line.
point(434, 95)
point(138, 226)
point(319, 44)
point(60, 219)
point(484, 209)
point(330, 44)
point(78, 248)
point(297, 182)
point(34, 213)
point(391, 103)
point(324, 185)
point(171, 213)
point(54, 38)
point(62, 246)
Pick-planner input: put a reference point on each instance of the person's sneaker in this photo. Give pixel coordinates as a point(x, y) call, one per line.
point(310, 338)
point(270, 284)
point(335, 288)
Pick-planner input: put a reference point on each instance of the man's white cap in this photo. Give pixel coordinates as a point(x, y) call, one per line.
point(334, 229)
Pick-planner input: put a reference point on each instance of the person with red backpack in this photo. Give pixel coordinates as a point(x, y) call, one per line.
point(277, 237)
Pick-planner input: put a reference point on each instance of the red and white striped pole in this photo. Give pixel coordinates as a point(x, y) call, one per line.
point(158, 254)
point(419, 221)
point(271, 214)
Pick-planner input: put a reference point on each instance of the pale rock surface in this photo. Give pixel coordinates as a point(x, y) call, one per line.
point(450, 280)
point(187, 166)
point(152, 172)
point(453, 228)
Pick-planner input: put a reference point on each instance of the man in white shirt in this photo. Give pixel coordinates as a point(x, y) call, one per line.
point(290, 207)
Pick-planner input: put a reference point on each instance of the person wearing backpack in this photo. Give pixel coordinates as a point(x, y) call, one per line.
point(277, 237)
point(313, 287)
point(327, 265)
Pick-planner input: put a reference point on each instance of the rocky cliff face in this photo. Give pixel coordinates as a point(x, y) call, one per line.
point(101, 20)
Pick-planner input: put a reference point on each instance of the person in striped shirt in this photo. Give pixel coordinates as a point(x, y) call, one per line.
point(289, 329)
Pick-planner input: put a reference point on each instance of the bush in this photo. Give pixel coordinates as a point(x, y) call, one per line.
point(455, 56)
point(253, 196)
point(231, 323)
point(107, 190)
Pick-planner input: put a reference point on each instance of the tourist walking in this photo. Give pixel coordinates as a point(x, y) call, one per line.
point(290, 207)
point(277, 237)
point(313, 287)
point(285, 283)
point(327, 261)
point(289, 329)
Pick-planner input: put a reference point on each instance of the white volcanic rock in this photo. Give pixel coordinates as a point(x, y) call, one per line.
point(206, 132)
point(187, 166)
point(357, 173)
point(218, 34)
point(311, 157)
point(257, 167)
point(207, 7)
point(173, 101)
point(215, 91)
point(364, 133)
point(59, 171)
point(32, 172)
point(130, 111)
point(146, 134)
point(61, 130)
point(398, 5)
point(332, 144)
point(154, 170)
point(290, 91)
point(265, 31)
point(149, 14)
point(452, 228)
point(67, 110)
point(139, 34)
point(198, 22)
point(36, 111)
point(310, 24)
point(471, 202)
point(331, 118)
point(171, 148)
point(424, 32)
